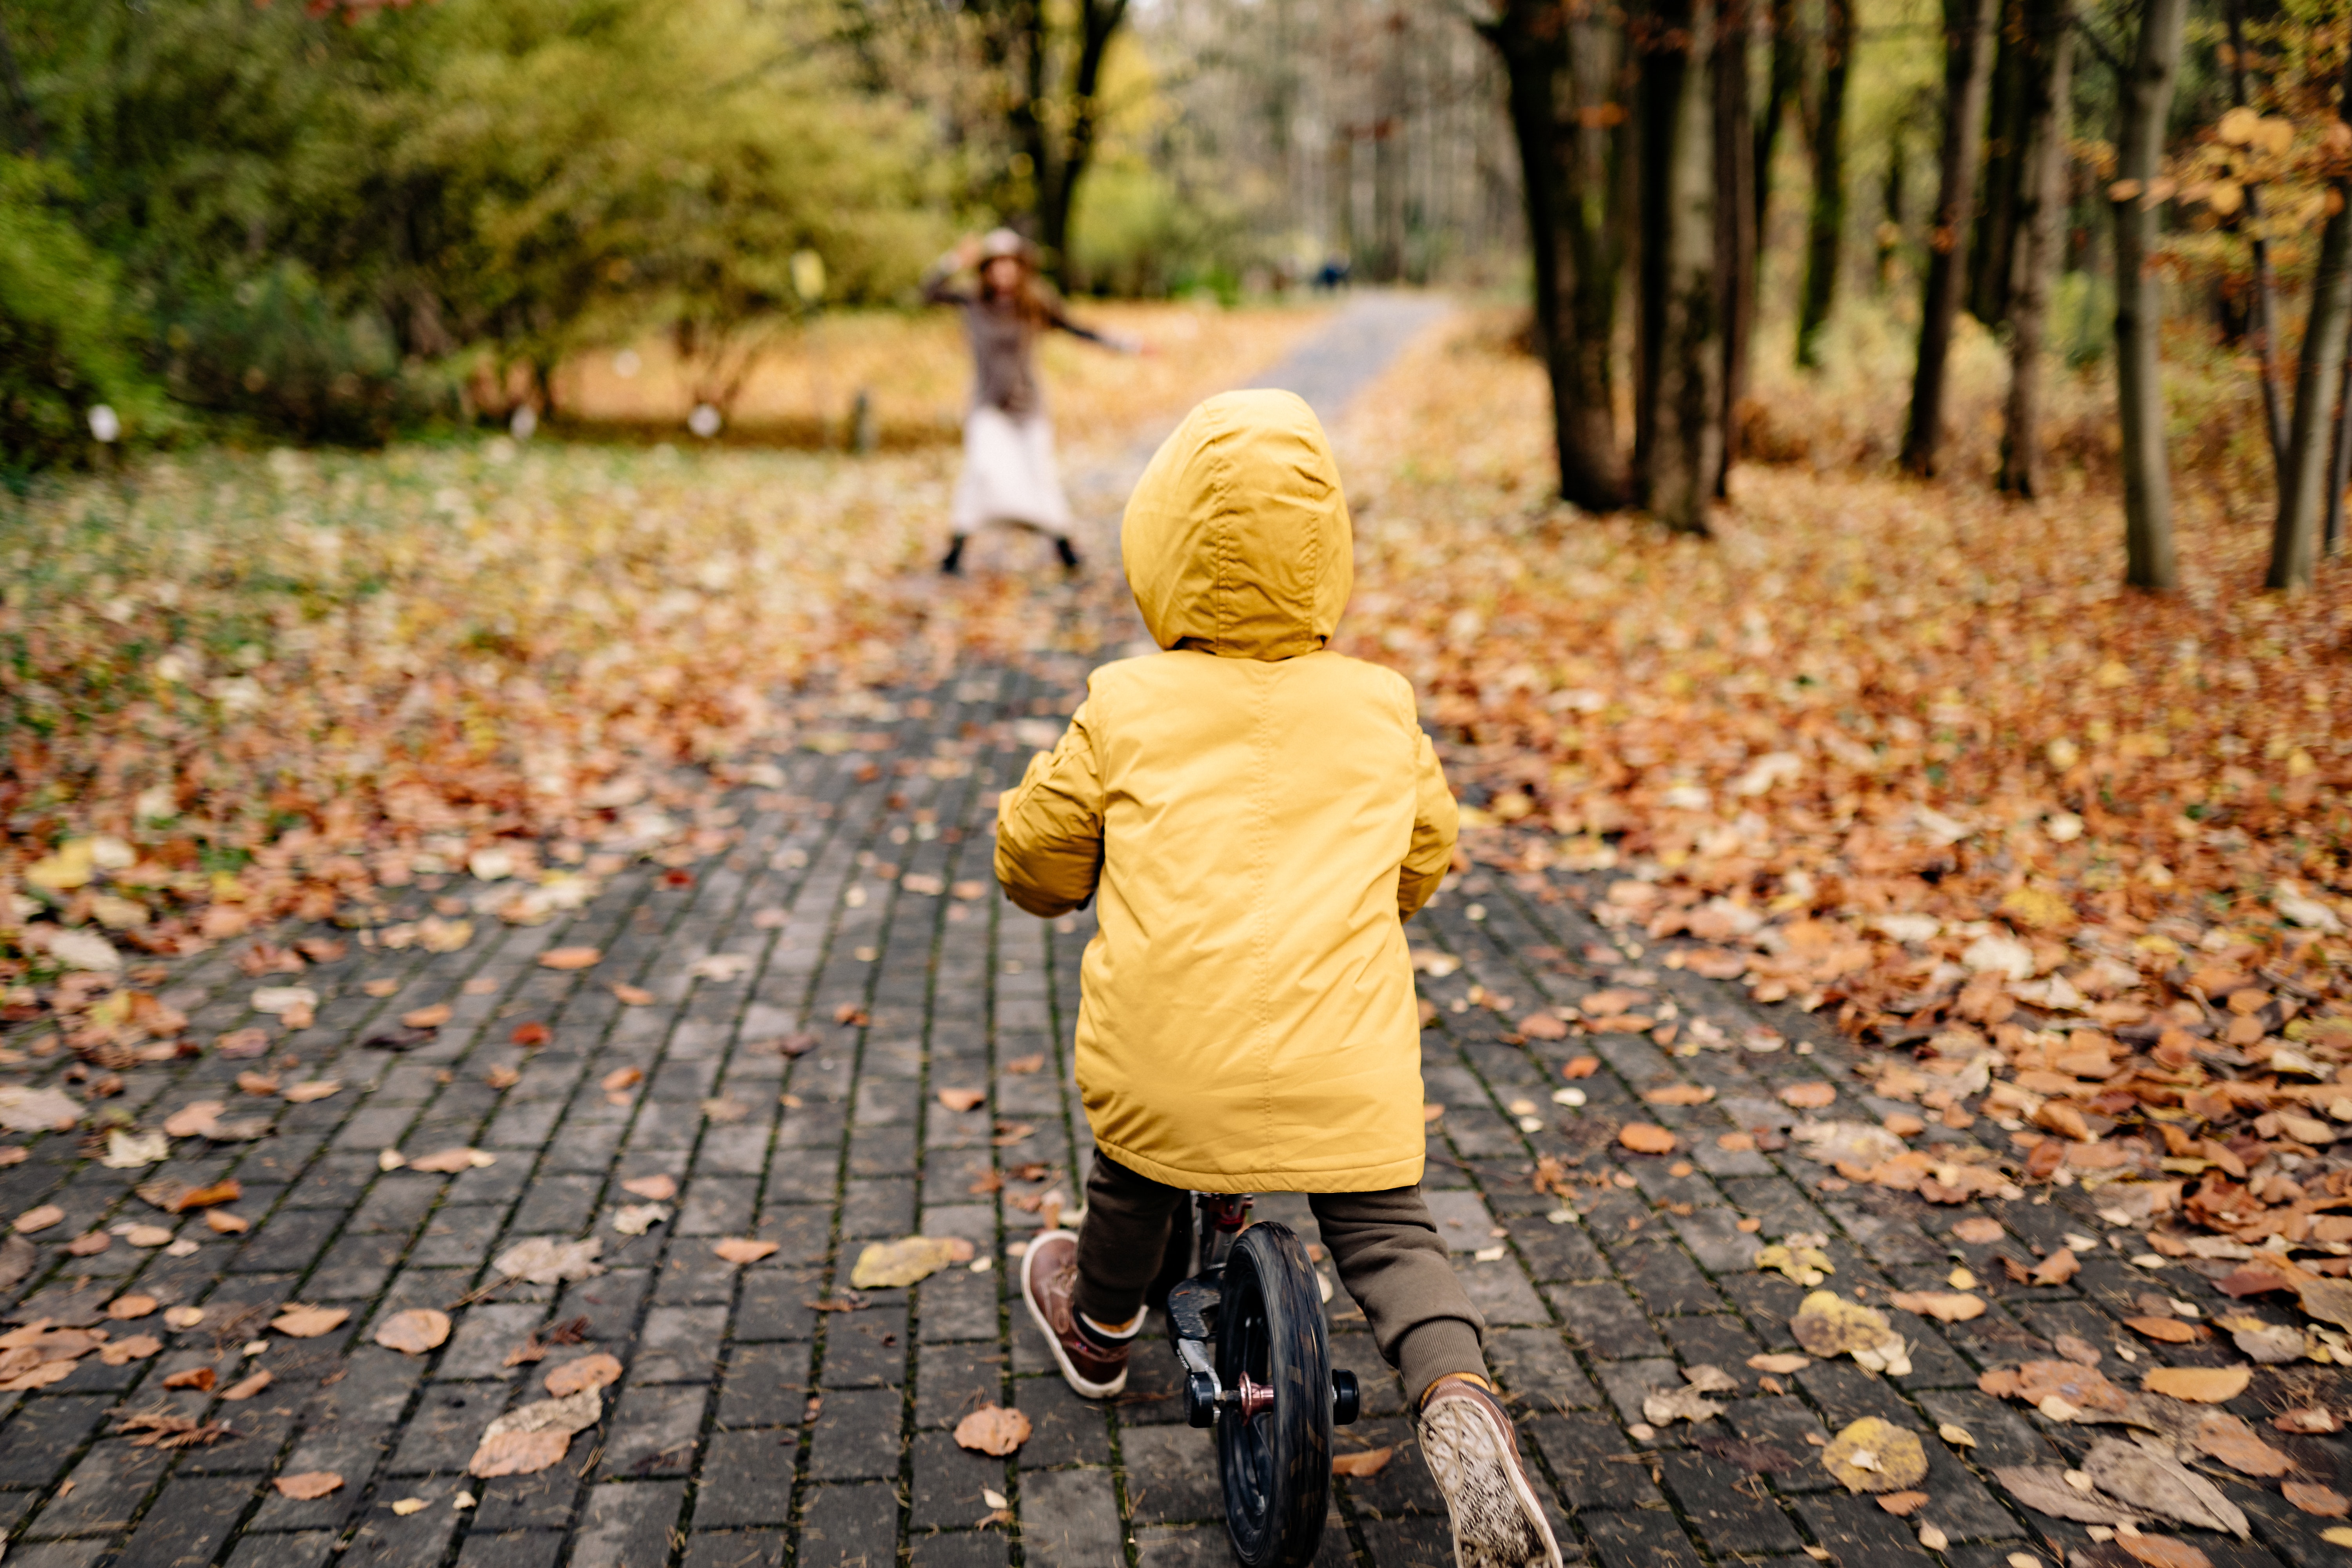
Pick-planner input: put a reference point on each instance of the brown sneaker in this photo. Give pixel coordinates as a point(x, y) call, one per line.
point(1472, 1452)
point(1049, 1283)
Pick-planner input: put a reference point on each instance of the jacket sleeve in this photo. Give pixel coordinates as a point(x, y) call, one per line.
point(1435, 820)
point(1049, 827)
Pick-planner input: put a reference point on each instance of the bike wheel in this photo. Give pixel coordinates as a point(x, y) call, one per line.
point(1274, 1444)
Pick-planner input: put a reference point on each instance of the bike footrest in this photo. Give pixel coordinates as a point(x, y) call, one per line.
point(1192, 1309)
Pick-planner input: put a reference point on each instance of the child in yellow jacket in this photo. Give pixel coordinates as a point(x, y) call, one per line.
point(1258, 817)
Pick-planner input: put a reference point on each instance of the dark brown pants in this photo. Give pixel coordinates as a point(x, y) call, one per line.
point(1384, 1244)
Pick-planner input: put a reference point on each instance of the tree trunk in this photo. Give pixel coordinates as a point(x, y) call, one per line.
point(1826, 226)
point(2003, 187)
point(2294, 542)
point(1734, 220)
point(1787, 71)
point(1571, 243)
point(2048, 57)
point(2265, 302)
point(2148, 86)
point(1890, 227)
point(1679, 420)
point(2339, 472)
point(1968, 75)
point(1058, 139)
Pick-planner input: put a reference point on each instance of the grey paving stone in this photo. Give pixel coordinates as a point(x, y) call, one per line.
point(849, 1527)
point(747, 1479)
point(1069, 1519)
point(627, 1523)
point(856, 1436)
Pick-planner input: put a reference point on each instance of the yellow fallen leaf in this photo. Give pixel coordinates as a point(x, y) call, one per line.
point(1875, 1456)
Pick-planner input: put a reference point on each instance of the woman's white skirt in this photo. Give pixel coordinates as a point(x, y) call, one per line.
point(1008, 473)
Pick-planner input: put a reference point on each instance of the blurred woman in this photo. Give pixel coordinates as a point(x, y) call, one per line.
point(1008, 441)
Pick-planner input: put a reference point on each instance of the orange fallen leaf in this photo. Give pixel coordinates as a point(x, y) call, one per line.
point(431, 1018)
point(258, 1083)
point(529, 1034)
point(309, 1322)
point(2232, 1441)
point(659, 1188)
point(2057, 1269)
point(1643, 1138)
point(993, 1429)
point(589, 1371)
point(381, 987)
point(316, 1089)
point(309, 1486)
point(126, 1308)
point(634, 996)
point(1028, 1064)
point(196, 1377)
point(1943, 1306)
point(1735, 1142)
point(1537, 1026)
point(962, 1098)
point(36, 1219)
point(520, 1453)
point(1978, 1230)
point(2198, 1385)
point(1901, 1504)
point(413, 1331)
point(1810, 1095)
point(194, 1121)
point(742, 1250)
point(623, 1077)
point(570, 958)
point(1363, 1462)
point(2163, 1551)
point(2171, 1330)
point(221, 1222)
point(245, 1387)
point(1432, 1111)
point(450, 1162)
point(137, 1347)
point(2325, 1503)
point(502, 1078)
point(1580, 1067)
point(89, 1243)
point(1679, 1094)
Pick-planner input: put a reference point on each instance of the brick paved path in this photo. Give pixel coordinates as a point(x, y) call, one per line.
point(751, 1428)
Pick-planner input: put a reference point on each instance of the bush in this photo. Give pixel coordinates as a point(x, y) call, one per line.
point(67, 345)
point(272, 351)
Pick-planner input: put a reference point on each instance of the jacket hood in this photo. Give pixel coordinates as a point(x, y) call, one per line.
point(1236, 540)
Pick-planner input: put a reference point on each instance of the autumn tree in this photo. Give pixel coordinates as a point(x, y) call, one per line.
point(1678, 371)
point(2044, 50)
point(1565, 125)
point(1825, 225)
point(1968, 75)
point(2295, 537)
point(2145, 99)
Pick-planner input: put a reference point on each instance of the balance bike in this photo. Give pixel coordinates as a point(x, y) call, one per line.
point(1248, 1329)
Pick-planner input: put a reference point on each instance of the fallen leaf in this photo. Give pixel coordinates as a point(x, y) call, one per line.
point(634, 996)
point(450, 1162)
point(962, 1098)
point(995, 1430)
point(162, 1430)
point(408, 1505)
point(309, 1486)
point(380, 988)
point(309, 1322)
point(721, 1109)
point(2336, 1535)
point(2044, 1489)
point(147, 1236)
point(184, 1317)
point(529, 1035)
point(315, 1089)
point(413, 1331)
point(2232, 1441)
point(89, 1243)
point(502, 1076)
point(1808, 1096)
point(1023, 1064)
point(200, 1378)
point(39, 1219)
point(1363, 1461)
point(1679, 1094)
point(1643, 1138)
point(127, 1308)
point(2171, 1330)
point(1580, 1067)
point(245, 1387)
point(2057, 1269)
point(2147, 1479)
point(636, 1219)
point(431, 1018)
point(137, 1347)
point(2324, 1502)
point(2163, 1551)
point(127, 1150)
point(589, 1371)
point(621, 1077)
point(1874, 1455)
point(1779, 1365)
point(544, 1260)
point(1828, 1325)
point(659, 1187)
point(1978, 1230)
point(887, 1265)
point(743, 1249)
point(1902, 1504)
point(569, 958)
point(179, 1197)
point(2198, 1385)
point(1949, 1307)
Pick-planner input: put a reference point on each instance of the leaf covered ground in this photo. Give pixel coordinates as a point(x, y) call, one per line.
point(1907, 755)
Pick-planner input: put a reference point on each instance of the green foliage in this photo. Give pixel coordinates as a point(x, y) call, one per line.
point(65, 340)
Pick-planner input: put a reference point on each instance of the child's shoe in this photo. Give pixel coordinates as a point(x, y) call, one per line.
point(1474, 1453)
point(1096, 1367)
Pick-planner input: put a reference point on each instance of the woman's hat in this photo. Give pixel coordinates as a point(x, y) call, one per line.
point(1003, 242)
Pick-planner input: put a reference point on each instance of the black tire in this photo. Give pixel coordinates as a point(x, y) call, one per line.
point(1277, 1469)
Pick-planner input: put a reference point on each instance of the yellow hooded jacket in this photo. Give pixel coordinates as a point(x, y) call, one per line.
point(1259, 817)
